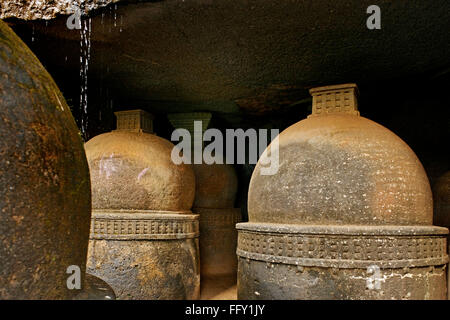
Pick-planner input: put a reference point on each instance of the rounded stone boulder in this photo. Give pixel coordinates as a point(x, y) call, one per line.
point(45, 200)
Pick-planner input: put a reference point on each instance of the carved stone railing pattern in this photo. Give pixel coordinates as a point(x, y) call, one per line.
point(218, 218)
point(143, 226)
point(354, 249)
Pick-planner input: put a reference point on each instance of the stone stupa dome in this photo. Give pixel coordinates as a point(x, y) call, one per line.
point(132, 169)
point(341, 168)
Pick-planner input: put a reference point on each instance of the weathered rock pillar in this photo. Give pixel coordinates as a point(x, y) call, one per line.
point(215, 193)
point(348, 215)
point(441, 196)
point(45, 198)
point(144, 238)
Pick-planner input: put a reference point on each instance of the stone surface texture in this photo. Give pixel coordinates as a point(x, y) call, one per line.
point(216, 186)
point(45, 199)
point(95, 289)
point(146, 255)
point(144, 238)
point(349, 196)
point(135, 171)
point(47, 9)
point(218, 241)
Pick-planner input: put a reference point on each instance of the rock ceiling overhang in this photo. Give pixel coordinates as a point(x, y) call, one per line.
point(48, 9)
point(254, 55)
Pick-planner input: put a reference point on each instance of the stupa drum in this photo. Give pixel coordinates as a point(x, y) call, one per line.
point(144, 238)
point(348, 215)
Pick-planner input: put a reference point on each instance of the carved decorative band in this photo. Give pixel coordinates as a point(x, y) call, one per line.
point(129, 225)
point(219, 218)
point(356, 247)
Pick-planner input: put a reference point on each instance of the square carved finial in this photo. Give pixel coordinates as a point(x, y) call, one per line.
point(186, 120)
point(134, 121)
point(341, 98)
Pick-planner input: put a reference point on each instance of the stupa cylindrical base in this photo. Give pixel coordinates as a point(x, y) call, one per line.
point(341, 262)
point(218, 240)
point(146, 254)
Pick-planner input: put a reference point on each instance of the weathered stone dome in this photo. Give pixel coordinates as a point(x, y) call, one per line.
point(45, 200)
point(341, 168)
point(134, 170)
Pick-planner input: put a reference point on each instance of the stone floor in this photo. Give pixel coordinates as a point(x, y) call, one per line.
point(223, 288)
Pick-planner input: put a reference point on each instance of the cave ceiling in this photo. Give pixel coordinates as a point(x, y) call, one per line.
point(253, 57)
